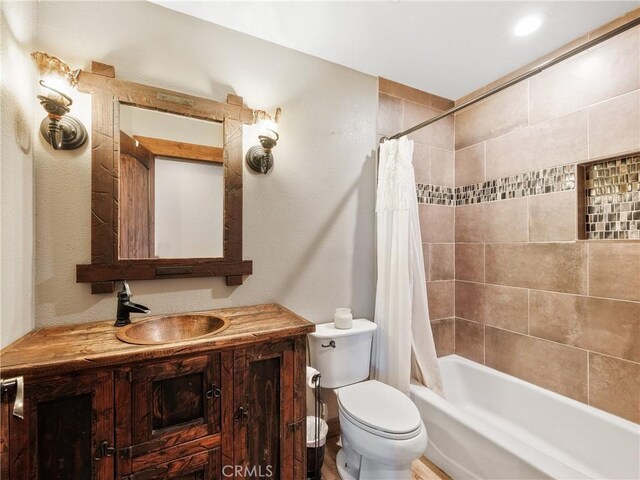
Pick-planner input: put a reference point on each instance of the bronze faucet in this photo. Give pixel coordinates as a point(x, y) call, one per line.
point(126, 306)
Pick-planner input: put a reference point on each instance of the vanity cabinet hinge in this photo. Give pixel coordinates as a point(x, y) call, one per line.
point(296, 425)
point(130, 376)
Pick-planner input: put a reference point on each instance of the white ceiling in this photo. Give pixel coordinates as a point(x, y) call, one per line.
point(447, 48)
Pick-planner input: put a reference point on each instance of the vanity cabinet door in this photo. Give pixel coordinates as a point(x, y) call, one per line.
point(67, 429)
point(268, 424)
point(167, 404)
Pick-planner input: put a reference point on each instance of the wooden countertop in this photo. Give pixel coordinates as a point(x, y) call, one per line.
point(63, 349)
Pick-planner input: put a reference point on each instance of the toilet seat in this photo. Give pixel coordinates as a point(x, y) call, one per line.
point(380, 409)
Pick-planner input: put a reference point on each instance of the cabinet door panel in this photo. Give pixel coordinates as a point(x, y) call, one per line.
point(67, 420)
point(64, 437)
point(173, 402)
point(263, 428)
point(263, 410)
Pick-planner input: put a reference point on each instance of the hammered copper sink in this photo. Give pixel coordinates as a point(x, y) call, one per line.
point(177, 328)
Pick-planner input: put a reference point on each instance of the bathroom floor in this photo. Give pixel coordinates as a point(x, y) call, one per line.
point(422, 468)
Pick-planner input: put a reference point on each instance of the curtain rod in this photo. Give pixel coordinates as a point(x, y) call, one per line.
point(529, 73)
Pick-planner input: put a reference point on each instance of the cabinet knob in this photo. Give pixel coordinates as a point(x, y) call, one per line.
point(104, 450)
point(241, 415)
point(214, 391)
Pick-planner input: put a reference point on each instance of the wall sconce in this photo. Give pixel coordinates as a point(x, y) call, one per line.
point(57, 80)
point(259, 157)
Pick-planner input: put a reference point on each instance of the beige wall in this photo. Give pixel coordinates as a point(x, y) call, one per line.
point(17, 126)
point(399, 108)
point(530, 300)
point(308, 225)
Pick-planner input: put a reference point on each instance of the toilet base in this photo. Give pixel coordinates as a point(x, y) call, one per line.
point(352, 466)
point(346, 471)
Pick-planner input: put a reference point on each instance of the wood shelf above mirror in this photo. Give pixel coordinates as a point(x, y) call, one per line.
point(166, 183)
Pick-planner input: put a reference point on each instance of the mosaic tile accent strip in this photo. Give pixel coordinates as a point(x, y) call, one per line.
point(549, 180)
point(435, 194)
point(612, 199)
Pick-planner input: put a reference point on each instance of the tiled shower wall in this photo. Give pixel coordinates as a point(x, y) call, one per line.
point(401, 107)
point(509, 284)
point(530, 299)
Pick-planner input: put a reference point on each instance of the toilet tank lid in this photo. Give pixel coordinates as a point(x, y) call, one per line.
point(328, 330)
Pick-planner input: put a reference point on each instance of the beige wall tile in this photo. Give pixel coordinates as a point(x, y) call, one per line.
point(606, 326)
point(469, 259)
point(422, 163)
point(497, 306)
point(442, 261)
point(505, 221)
point(441, 103)
point(614, 270)
point(552, 217)
point(443, 336)
point(559, 368)
point(425, 256)
point(436, 223)
point(608, 70)
point(496, 116)
point(469, 222)
point(559, 141)
point(404, 91)
point(558, 267)
point(389, 115)
point(614, 126)
point(614, 386)
point(442, 167)
point(470, 340)
point(441, 299)
point(500, 221)
point(470, 165)
point(440, 134)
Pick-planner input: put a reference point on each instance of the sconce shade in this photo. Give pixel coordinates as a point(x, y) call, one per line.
point(56, 78)
point(268, 128)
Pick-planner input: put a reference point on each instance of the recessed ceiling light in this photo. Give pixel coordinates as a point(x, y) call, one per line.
point(527, 25)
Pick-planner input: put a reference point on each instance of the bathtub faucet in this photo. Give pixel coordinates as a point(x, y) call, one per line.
point(126, 306)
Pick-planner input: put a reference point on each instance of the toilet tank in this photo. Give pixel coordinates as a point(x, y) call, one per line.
point(342, 356)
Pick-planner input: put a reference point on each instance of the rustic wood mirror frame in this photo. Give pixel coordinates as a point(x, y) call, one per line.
point(107, 93)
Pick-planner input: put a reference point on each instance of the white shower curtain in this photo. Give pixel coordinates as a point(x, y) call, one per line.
point(403, 346)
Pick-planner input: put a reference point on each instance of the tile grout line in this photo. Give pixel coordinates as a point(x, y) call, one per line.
point(529, 311)
point(588, 378)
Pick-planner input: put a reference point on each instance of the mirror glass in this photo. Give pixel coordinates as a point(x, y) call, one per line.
point(171, 202)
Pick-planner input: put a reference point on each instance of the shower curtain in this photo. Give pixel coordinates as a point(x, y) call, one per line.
point(403, 346)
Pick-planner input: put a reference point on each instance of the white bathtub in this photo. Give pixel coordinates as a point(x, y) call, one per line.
point(495, 426)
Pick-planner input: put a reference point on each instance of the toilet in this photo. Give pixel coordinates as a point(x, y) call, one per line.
point(382, 432)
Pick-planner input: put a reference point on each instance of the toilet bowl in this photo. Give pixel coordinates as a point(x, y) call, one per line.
point(382, 432)
point(381, 428)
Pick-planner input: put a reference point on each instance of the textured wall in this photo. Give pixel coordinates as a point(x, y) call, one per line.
point(17, 123)
point(308, 225)
point(401, 107)
point(530, 299)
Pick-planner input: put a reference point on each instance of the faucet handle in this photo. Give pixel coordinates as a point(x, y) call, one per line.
point(125, 289)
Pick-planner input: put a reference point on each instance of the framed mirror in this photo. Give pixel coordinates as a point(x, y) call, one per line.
point(166, 181)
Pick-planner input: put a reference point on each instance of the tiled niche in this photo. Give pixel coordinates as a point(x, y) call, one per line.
point(610, 193)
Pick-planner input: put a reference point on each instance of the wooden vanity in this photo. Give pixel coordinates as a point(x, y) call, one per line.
point(231, 405)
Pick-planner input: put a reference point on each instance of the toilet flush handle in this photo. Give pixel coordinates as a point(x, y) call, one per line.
point(331, 344)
